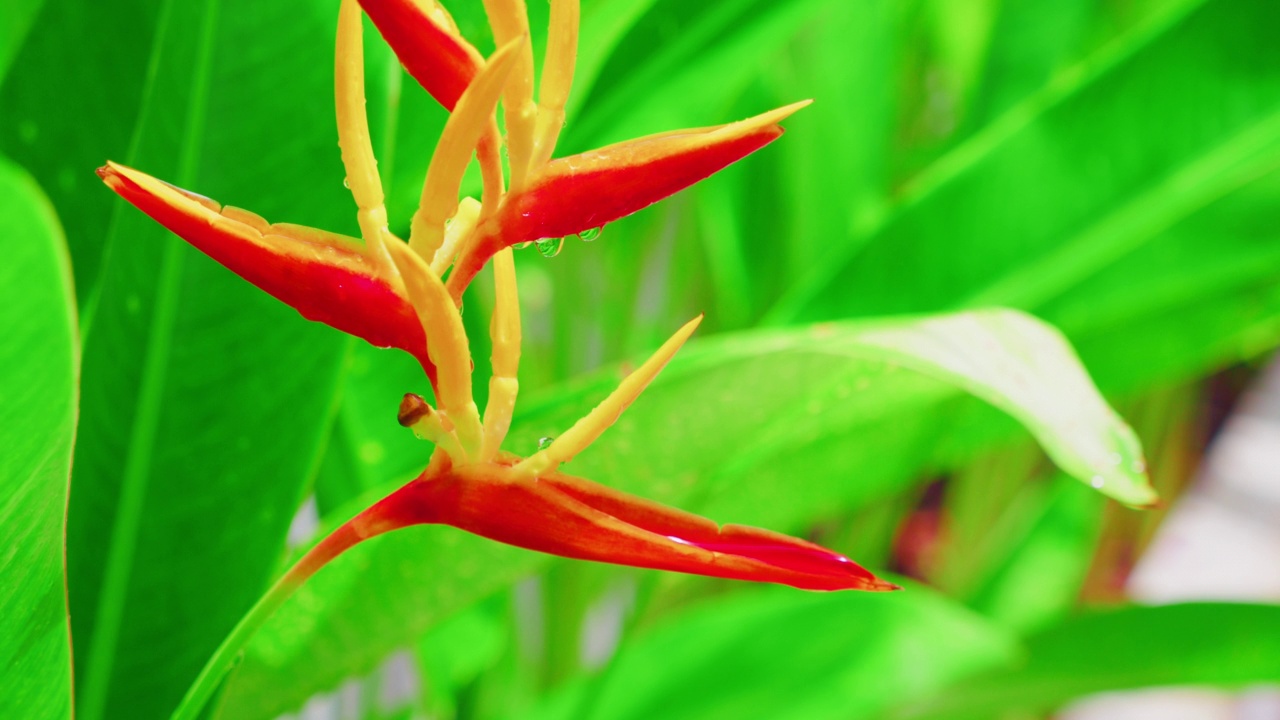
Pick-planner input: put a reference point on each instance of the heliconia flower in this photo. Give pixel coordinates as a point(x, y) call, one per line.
point(393, 293)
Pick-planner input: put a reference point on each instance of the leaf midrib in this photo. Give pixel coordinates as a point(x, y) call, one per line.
point(128, 518)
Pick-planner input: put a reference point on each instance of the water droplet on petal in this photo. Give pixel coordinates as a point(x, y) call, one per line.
point(589, 234)
point(545, 442)
point(550, 247)
point(1096, 482)
point(346, 184)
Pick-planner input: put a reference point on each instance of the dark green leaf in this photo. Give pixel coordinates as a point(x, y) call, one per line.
point(71, 99)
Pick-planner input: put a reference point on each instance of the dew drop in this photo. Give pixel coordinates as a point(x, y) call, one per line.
point(346, 184)
point(545, 442)
point(1096, 482)
point(589, 234)
point(550, 247)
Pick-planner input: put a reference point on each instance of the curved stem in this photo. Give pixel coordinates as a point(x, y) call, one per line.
point(383, 516)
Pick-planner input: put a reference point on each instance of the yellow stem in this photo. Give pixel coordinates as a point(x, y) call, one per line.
point(353, 135)
point(557, 79)
point(505, 332)
point(447, 345)
point(509, 20)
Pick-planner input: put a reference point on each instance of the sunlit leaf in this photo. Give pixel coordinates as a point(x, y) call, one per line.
point(40, 357)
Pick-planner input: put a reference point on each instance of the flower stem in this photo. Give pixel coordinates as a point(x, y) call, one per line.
point(383, 516)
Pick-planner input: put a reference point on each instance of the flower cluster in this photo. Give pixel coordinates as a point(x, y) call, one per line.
point(406, 295)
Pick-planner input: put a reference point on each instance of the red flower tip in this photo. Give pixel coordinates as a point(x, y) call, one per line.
point(581, 192)
point(428, 45)
point(585, 191)
point(575, 518)
point(324, 276)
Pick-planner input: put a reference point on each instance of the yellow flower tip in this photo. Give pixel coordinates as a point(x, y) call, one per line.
point(467, 125)
point(772, 117)
point(459, 227)
point(585, 431)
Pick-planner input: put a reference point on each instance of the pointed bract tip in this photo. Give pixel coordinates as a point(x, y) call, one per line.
point(784, 112)
point(878, 585)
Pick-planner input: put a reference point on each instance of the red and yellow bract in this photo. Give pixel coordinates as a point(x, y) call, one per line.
point(394, 294)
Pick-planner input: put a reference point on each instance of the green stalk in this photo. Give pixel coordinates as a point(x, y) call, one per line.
point(381, 517)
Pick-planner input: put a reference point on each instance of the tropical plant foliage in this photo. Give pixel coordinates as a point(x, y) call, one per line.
point(878, 370)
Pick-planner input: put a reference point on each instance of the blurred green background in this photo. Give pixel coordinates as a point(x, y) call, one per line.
point(1109, 166)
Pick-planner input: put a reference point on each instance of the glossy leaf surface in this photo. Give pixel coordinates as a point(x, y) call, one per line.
point(40, 357)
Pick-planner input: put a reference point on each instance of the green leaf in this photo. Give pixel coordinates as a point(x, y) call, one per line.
point(205, 402)
point(1027, 369)
point(1223, 645)
point(1039, 579)
point(784, 654)
point(370, 602)
point(708, 49)
point(1091, 185)
point(73, 96)
point(16, 18)
point(40, 357)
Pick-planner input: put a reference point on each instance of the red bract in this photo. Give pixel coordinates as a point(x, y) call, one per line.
point(393, 294)
point(572, 517)
point(581, 192)
point(324, 276)
point(441, 60)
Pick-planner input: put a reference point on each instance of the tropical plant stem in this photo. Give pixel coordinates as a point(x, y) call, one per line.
point(375, 520)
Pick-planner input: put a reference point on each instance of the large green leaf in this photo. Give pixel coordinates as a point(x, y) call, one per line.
point(830, 386)
point(784, 654)
point(205, 402)
point(1093, 178)
point(40, 357)
point(1224, 645)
